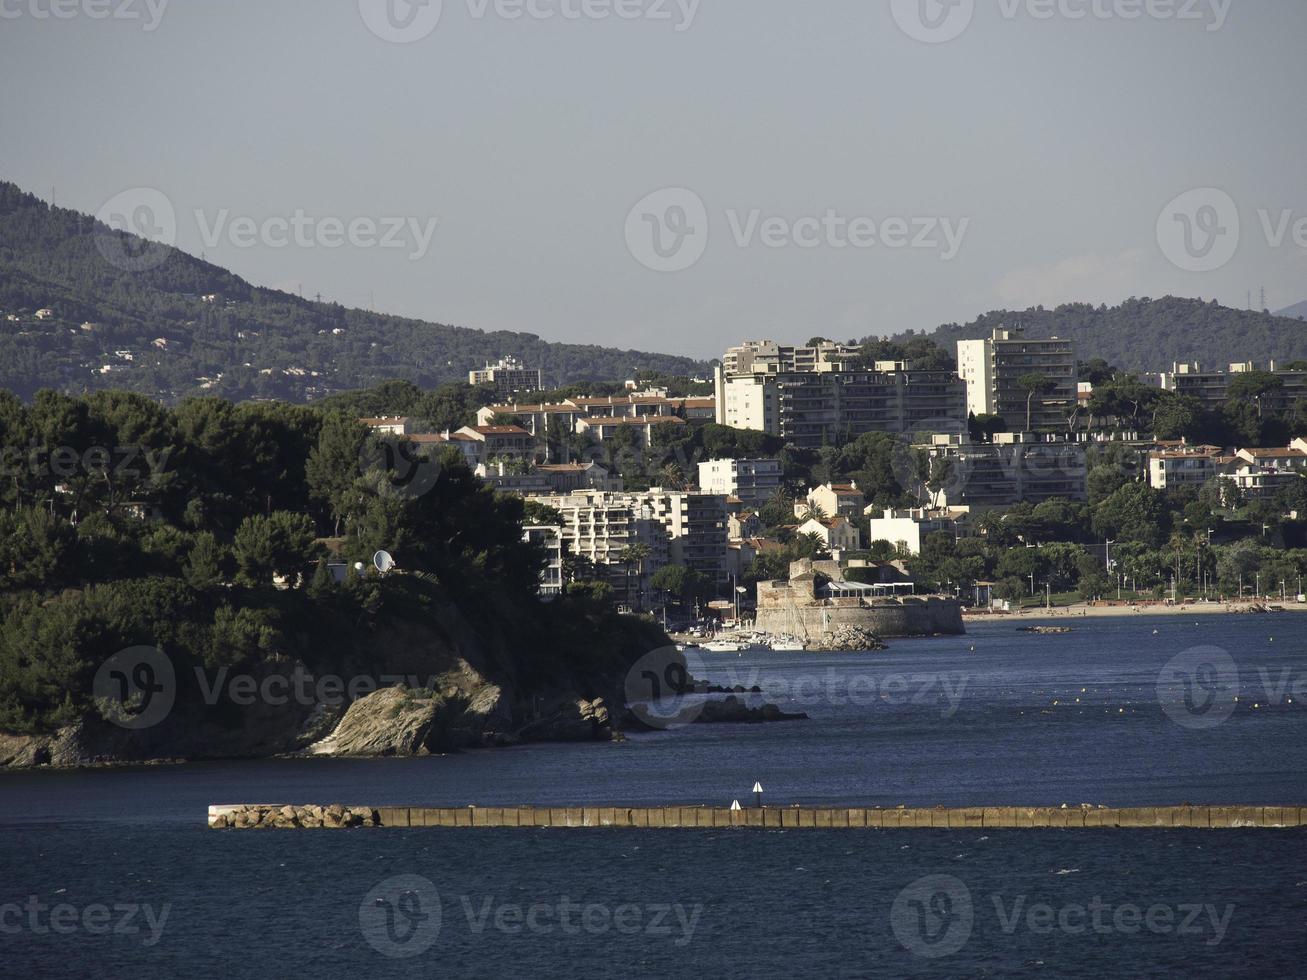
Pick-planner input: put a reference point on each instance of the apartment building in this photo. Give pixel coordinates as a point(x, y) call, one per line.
point(993, 369)
point(678, 527)
point(812, 408)
point(600, 526)
point(836, 533)
point(500, 441)
point(1183, 466)
point(752, 481)
point(1256, 482)
point(1015, 467)
point(1212, 387)
point(551, 540)
point(833, 500)
point(768, 357)
point(509, 376)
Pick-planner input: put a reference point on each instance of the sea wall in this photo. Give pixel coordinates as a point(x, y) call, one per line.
point(779, 611)
point(274, 816)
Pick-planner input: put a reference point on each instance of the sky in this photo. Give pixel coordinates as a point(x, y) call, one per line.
point(679, 175)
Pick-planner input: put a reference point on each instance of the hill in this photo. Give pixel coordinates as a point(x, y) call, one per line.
point(185, 326)
point(1148, 334)
point(1296, 312)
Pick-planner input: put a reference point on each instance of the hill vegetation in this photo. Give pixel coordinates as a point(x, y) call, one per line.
point(185, 326)
point(1144, 335)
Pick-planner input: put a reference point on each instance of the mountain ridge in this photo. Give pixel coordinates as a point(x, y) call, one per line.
point(182, 326)
point(1146, 335)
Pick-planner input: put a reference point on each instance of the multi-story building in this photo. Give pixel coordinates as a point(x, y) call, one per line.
point(678, 527)
point(1183, 466)
point(1256, 482)
point(500, 441)
point(509, 376)
point(551, 540)
point(815, 408)
point(836, 533)
point(993, 369)
point(546, 479)
point(768, 357)
point(1015, 467)
point(1212, 388)
point(752, 481)
point(602, 526)
point(696, 525)
point(833, 500)
point(643, 427)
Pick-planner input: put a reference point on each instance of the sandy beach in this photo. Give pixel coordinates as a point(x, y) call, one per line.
point(1087, 611)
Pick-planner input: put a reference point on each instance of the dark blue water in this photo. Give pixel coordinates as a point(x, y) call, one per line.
point(928, 722)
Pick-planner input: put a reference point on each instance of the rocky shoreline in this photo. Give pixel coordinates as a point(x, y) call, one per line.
point(394, 722)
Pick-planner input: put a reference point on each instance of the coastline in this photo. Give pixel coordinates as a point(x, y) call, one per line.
point(1126, 610)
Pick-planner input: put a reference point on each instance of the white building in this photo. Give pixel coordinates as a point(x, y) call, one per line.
point(907, 529)
point(993, 370)
point(836, 533)
point(508, 376)
point(551, 540)
point(753, 481)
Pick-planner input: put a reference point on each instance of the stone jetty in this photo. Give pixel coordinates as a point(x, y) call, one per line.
point(288, 817)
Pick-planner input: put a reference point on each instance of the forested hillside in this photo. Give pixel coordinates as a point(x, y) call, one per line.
point(1148, 334)
point(185, 326)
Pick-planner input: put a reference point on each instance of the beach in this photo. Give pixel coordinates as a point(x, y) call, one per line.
point(1105, 610)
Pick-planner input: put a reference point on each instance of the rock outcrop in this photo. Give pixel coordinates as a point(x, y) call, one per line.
point(847, 639)
point(733, 710)
point(274, 817)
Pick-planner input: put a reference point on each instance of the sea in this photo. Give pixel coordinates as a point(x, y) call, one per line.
point(114, 873)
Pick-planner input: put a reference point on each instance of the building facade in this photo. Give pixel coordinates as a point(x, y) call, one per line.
point(752, 481)
point(510, 376)
point(993, 369)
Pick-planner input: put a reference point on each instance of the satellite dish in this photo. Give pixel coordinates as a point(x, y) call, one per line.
point(358, 566)
point(383, 561)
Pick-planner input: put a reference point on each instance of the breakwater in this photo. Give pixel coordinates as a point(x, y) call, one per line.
point(290, 816)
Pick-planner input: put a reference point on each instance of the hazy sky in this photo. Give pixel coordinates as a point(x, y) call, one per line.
point(921, 177)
